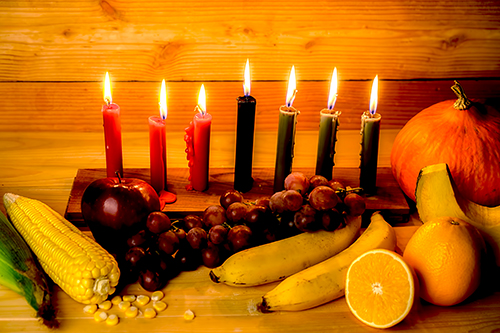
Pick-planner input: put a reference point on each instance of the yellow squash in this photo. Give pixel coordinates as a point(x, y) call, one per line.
point(437, 195)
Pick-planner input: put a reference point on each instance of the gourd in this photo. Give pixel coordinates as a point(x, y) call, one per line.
point(437, 195)
point(464, 134)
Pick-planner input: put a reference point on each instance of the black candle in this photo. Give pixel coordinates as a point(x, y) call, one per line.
point(245, 126)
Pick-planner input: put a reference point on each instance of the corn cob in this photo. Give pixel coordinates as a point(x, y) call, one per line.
point(21, 272)
point(74, 261)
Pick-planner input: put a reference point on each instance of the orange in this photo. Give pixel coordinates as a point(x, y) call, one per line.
point(445, 254)
point(380, 288)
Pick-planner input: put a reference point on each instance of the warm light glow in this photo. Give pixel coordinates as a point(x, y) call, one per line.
point(292, 88)
point(332, 98)
point(163, 100)
point(246, 85)
point(202, 100)
point(374, 96)
point(107, 90)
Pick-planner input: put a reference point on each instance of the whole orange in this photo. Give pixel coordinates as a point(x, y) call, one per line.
point(445, 254)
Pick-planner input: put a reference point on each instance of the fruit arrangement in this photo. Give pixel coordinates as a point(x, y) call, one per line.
point(321, 214)
point(306, 238)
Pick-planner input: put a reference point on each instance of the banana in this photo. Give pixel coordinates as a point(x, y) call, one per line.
point(277, 260)
point(325, 281)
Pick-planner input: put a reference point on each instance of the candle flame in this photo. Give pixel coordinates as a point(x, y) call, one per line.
point(202, 100)
point(246, 85)
point(107, 90)
point(374, 96)
point(163, 100)
point(332, 98)
point(292, 88)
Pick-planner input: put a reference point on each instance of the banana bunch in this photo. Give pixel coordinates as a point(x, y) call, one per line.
point(325, 281)
point(280, 259)
point(20, 272)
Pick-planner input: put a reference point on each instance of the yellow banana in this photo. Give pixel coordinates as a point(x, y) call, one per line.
point(325, 281)
point(277, 260)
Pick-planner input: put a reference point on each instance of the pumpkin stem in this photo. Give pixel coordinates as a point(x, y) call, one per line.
point(462, 103)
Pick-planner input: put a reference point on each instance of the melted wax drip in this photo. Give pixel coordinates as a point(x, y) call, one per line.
point(188, 137)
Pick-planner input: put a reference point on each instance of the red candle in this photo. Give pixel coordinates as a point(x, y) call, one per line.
point(157, 145)
point(198, 145)
point(112, 133)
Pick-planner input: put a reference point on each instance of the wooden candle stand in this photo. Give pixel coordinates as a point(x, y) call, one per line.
point(389, 198)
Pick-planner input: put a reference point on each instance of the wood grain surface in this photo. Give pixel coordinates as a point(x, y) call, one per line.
point(75, 107)
point(211, 40)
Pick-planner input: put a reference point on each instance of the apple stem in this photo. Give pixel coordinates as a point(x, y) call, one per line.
point(118, 175)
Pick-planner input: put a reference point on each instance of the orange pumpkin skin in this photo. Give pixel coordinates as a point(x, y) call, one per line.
point(467, 140)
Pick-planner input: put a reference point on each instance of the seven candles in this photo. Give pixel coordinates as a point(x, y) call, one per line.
point(370, 133)
point(112, 133)
point(157, 145)
point(198, 144)
point(286, 136)
point(243, 180)
point(328, 133)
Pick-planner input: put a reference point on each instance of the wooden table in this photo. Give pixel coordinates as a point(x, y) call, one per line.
point(39, 166)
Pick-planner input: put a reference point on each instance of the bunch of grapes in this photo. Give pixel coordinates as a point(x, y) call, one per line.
point(166, 247)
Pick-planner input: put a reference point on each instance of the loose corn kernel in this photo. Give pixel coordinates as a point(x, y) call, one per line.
point(157, 295)
point(112, 320)
point(131, 312)
point(159, 306)
point(142, 300)
point(129, 298)
point(106, 305)
point(189, 315)
point(90, 309)
point(100, 315)
point(116, 300)
point(124, 305)
point(149, 313)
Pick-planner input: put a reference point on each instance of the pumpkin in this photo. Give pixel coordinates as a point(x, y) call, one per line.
point(465, 134)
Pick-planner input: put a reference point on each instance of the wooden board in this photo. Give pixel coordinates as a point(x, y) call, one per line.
point(75, 106)
point(389, 197)
point(211, 40)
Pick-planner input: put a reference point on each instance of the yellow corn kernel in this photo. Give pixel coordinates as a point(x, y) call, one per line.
point(106, 305)
point(100, 315)
point(116, 300)
point(90, 309)
point(64, 252)
point(149, 313)
point(142, 300)
point(189, 315)
point(112, 290)
point(129, 298)
point(131, 312)
point(124, 305)
point(112, 320)
point(157, 295)
point(159, 306)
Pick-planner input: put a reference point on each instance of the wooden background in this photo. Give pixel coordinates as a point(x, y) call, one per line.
point(54, 54)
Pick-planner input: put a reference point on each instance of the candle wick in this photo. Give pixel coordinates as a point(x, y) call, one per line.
point(289, 104)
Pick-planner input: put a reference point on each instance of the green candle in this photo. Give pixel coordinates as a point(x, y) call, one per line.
point(370, 133)
point(329, 121)
point(327, 138)
point(286, 136)
point(286, 142)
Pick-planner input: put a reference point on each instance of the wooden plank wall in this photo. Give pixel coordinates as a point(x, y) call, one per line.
point(53, 56)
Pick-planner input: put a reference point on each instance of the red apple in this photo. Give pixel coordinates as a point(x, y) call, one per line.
point(114, 209)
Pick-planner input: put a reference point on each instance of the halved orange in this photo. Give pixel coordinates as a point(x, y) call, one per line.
point(380, 288)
